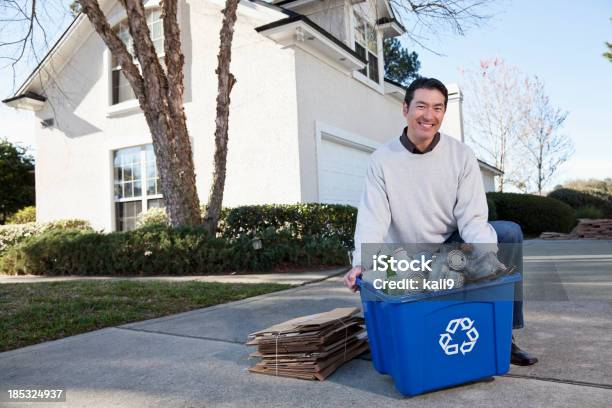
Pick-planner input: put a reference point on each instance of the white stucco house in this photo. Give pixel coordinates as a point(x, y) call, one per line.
point(311, 103)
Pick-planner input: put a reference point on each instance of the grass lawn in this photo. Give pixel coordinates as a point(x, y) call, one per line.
point(31, 313)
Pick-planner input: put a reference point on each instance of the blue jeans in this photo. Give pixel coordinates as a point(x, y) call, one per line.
point(508, 232)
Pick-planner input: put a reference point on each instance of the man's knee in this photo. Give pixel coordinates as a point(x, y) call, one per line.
point(508, 231)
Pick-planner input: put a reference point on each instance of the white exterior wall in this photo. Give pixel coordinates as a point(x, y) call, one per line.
point(74, 158)
point(453, 118)
point(488, 179)
point(336, 99)
point(263, 156)
point(280, 93)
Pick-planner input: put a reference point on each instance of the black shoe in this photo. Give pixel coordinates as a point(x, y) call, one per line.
point(521, 357)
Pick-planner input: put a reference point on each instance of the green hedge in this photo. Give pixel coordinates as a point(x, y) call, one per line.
point(300, 220)
point(13, 234)
point(162, 250)
point(25, 215)
point(535, 214)
point(579, 199)
point(589, 212)
point(492, 209)
point(152, 216)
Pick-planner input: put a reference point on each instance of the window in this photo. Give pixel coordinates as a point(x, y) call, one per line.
point(121, 89)
point(366, 46)
point(136, 185)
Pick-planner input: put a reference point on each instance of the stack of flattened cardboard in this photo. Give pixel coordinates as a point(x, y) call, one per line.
point(586, 229)
point(594, 229)
point(310, 347)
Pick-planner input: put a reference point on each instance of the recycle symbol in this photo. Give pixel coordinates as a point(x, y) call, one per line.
point(467, 325)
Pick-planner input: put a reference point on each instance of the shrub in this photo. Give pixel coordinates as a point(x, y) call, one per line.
point(577, 199)
point(152, 216)
point(281, 249)
point(23, 216)
point(54, 252)
point(155, 250)
point(291, 236)
point(299, 220)
point(492, 209)
point(589, 212)
point(535, 214)
point(13, 234)
point(68, 224)
point(163, 250)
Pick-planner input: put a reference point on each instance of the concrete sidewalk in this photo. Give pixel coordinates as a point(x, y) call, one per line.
point(293, 278)
point(198, 358)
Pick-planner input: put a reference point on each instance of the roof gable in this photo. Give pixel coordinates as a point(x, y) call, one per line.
point(79, 30)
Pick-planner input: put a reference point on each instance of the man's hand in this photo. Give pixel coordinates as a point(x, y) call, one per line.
point(351, 276)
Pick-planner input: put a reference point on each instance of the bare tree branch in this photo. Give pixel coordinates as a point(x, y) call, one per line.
point(510, 119)
point(152, 72)
point(92, 9)
point(426, 18)
point(493, 102)
point(226, 82)
point(546, 149)
point(175, 60)
point(161, 103)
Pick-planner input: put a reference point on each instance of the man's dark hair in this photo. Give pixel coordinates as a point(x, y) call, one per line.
point(427, 83)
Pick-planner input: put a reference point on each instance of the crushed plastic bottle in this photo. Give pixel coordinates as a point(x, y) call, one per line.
point(462, 264)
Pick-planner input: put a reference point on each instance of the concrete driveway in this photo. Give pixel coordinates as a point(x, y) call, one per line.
point(198, 359)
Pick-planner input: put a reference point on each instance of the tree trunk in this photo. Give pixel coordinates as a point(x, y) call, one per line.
point(160, 96)
point(540, 173)
point(226, 82)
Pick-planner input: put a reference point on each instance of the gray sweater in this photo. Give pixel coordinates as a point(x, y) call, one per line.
point(422, 198)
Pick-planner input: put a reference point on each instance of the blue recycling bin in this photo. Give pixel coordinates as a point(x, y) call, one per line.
point(439, 339)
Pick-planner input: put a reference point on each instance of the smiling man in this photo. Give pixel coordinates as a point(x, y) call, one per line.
point(426, 187)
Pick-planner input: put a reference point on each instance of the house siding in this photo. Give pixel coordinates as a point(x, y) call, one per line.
point(74, 157)
point(337, 99)
point(280, 95)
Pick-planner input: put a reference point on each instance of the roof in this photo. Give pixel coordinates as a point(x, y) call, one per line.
point(28, 94)
point(390, 20)
point(277, 6)
point(490, 167)
point(305, 19)
point(274, 6)
point(71, 27)
point(283, 2)
point(392, 82)
point(27, 100)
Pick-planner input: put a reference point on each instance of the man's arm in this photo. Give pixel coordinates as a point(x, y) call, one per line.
point(373, 218)
point(471, 210)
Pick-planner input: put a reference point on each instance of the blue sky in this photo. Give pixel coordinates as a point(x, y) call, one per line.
point(560, 41)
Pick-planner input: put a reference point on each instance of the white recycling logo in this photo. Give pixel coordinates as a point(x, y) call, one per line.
point(467, 325)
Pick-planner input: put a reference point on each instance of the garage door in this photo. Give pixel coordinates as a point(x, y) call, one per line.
point(342, 169)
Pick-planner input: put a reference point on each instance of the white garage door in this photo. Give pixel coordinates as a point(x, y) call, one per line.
point(342, 169)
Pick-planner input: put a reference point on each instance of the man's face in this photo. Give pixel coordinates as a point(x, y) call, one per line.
point(425, 113)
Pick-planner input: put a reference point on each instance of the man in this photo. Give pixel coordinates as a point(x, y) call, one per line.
point(426, 187)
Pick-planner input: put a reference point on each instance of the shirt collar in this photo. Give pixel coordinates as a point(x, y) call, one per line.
point(405, 140)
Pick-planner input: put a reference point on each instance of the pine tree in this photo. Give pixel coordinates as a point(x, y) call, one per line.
point(401, 65)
